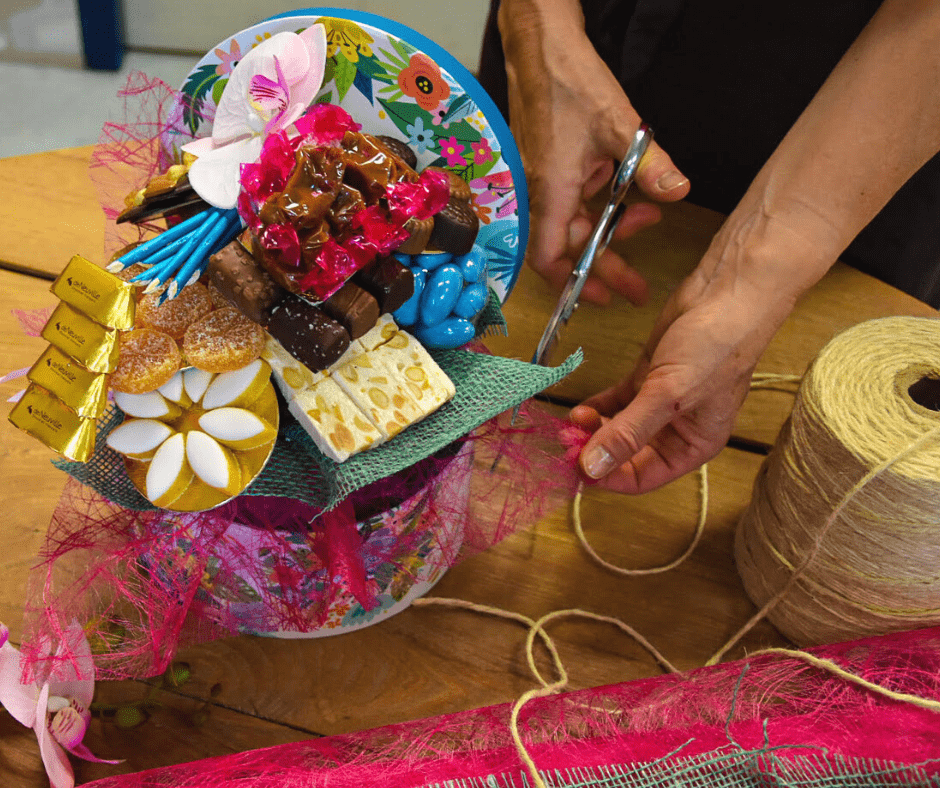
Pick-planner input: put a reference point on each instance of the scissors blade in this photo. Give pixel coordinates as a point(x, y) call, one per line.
point(596, 245)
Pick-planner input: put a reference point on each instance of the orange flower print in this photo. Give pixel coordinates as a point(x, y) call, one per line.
point(423, 82)
point(482, 211)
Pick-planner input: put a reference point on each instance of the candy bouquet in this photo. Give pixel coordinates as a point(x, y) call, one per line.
point(272, 403)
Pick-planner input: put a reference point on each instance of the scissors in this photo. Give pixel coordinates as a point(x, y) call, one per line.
point(597, 243)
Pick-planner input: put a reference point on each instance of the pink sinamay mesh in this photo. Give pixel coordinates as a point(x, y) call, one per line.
point(145, 583)
point(768, 720)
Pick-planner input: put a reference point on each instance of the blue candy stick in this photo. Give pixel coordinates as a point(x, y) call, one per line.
point(139, 253)
point(227, 229)
point(159, 273)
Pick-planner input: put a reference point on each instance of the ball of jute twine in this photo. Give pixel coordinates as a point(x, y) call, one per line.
point(842, 535)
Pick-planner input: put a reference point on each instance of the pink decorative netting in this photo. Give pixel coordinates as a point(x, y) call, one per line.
point(149, 582)
point(767, 720)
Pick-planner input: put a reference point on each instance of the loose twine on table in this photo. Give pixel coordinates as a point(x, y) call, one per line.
point(856, 446)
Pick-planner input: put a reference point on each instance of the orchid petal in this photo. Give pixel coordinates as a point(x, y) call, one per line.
point(16, 698)
point(267, 95)
point(75, 677)
point(216, 175)
point(305, 90)
point(68, 726)
point(4, 629)
point(199, 147)
point(54, 759)
point(285, 119)
point(234, 113)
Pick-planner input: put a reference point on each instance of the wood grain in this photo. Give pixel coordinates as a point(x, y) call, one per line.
point(49, 211)
point(249, 692)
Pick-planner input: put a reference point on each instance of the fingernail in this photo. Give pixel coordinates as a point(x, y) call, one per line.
point(598, 462)
point(671, 180)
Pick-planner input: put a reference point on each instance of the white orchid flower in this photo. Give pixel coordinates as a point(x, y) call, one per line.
point(58, 711)
point(269, 89)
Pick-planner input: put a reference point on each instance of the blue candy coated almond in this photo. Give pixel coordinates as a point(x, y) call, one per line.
point(440, 294)
point(450, 333)
point(431, 260)
point(407, 313)
point(473, 265)
point(471, 301)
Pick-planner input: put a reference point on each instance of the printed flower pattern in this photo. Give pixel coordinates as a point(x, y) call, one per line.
point(482, 152)
point(422, 81)
point(419, 138)
point(348, 38)
point(228, 60)
point(452, 150)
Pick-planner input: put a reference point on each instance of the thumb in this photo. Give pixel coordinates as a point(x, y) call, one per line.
point(656, 176)
point(626, 434)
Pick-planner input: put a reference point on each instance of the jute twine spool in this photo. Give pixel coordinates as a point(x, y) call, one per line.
point(842, 535)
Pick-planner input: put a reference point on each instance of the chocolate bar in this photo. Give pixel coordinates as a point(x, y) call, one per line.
point(244, 283)
point(455, 228)
point(390, 282)
point(307, 333)
point(354, 308)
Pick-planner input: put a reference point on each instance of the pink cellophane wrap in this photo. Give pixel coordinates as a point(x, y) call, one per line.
point(764, 721)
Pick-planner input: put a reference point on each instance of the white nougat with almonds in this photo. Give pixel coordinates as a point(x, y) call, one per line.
point(335, 423)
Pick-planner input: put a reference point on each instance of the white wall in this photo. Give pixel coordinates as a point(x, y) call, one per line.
point(198, 25)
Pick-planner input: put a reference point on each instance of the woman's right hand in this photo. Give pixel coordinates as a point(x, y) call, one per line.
point(572, 122)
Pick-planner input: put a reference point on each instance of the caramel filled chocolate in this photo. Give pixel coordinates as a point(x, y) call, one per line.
point(305, 332)
point(83, 391)
point(354, 308)
point(91, 345)
point(97, 293)
point(243, 282)
point(400, 149)
point(40, 414)
point(389, 282)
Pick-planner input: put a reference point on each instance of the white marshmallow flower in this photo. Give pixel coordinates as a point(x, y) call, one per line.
point(269, 90)
point(194, 426)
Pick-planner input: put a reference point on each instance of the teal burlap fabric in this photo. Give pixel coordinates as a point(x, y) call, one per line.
point(486, 386)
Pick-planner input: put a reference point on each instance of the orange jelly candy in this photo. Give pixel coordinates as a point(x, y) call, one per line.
point(223, 340)
point(173, 317)
point(148, 359)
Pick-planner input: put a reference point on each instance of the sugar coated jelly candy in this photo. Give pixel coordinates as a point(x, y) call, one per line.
point(440, 294)
point(473, 265)
point(449, 333)
point(471, 301)
point(407, 313)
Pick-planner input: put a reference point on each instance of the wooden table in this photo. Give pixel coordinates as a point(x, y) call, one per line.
point(250, 692)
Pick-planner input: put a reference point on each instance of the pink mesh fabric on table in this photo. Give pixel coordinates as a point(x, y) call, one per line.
point(763, 721)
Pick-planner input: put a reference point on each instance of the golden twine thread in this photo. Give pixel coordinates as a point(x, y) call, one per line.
point(842, 535)
point(894, 446)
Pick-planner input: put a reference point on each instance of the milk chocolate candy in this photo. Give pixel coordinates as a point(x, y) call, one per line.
point(243, 282)
point(96, 293)
point(455, 228)
point(90, 344)
point(419, 235)
point(305, 332)
point(354, 308)
point(83, 391)
point(400, 149)
point(42, 415)
point(459, 188)
point(390, 282)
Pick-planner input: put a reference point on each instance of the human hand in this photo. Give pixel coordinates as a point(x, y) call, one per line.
point(572, 122)
point(676, 410)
